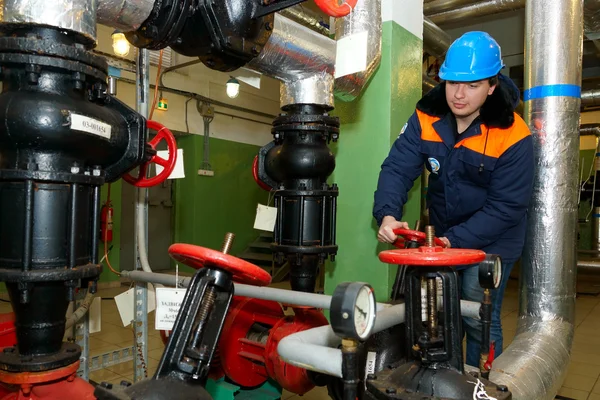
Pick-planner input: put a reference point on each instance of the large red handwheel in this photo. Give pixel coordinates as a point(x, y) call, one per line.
point(415, 236)
point(168, 165)
point(334, 9)
point(199, 257)
point(256, 178)
point(432, 257)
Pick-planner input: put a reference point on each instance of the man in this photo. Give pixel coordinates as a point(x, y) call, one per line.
point(480, 155)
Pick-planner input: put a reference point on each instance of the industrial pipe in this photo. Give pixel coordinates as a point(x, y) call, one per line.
point(438, 6)
point(590, 98)
point(535, 364)
point(306, 17)
point(475, 10)
point(125, 15)
point(589, 130)
point(435, 41)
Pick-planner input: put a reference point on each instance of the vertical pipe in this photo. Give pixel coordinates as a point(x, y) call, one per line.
point(73, 226)
point(28, 231)
point(95, 224)
point(535, 364)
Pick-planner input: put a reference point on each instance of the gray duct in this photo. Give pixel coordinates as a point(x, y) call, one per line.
point(435, 41)
point(591, 19)
point(590, 98)
point(125, 15)
point(535, 364)
point(306, 17)
point(428, 84)
point(72, 15)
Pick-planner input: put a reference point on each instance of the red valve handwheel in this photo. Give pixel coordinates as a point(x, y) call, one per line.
point(432, 257)
point(415, 236)
point(199, 257)
point(168, 165)
point(334, 9)
point(256, 178)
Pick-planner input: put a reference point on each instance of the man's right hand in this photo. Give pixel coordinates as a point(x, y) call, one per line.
point(386, 231)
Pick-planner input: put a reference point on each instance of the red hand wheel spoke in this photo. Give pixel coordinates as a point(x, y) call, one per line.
point(256, 178)
point(200, 257)
point(168, 165)
point(333, 9)
point(415, 236)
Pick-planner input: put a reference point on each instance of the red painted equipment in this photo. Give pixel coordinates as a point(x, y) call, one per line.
point(414, 236)
point(61, 383)
point(432, 256)
point(168, 165)
point(256, 178)
point(334, 9)
point(8, 333)
point(248, 344)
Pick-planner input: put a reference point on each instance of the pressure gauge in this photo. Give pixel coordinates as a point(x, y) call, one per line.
point(353, 310)
point(490, 272)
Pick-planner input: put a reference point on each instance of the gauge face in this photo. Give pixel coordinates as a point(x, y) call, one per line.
point(490, 272)
point(497, 272)
point(364, 312)
point(353, 310)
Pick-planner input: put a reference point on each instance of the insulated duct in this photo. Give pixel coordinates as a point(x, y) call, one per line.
point(126, 15)
point(590, 98)
point(476, 10)
point(72, 15)
point(535, 364)
point(305, 60)
point(428, 84)
point(589, 130)
point(591, 21)
point(435, 41)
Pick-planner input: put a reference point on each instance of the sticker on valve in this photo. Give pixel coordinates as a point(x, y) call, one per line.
point(168, 303)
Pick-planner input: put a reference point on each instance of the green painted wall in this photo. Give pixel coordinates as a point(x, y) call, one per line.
point(370, 125)
point(206, 208)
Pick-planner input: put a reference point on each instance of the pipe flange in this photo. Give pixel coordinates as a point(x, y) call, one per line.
point(52, 62)
point(12, 361)
point(89, 271)
point(52, 176)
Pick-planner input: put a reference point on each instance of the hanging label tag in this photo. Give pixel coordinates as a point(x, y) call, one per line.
point(370, 367)
point(125, 304)
point(96, 315)
point(168, 303)
point(265, 218)
point(90, 125)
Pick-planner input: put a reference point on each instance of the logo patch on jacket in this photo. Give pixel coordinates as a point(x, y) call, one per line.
point(435, 165)
point(403, 129)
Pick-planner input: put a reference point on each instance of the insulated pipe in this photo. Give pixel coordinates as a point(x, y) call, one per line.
point(591, 264)
point(535, 364)
point(478, 9)
point(306, 17)
point(428, 84)
point(435, 41)
point(589, 130)
point(125, 15)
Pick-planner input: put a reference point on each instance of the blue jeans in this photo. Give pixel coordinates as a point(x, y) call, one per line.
point(471, 290)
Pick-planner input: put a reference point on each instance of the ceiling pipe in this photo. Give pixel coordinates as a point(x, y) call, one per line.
point(590, 98)
point(478, 9)
point(438, 6)
point(435, 41)
point(589, 130)
point(535, 364)
point(306, 17)
point(125, 15)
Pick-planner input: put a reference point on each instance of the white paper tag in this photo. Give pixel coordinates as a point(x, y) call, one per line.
point(90, 125)
point(351, 54)
point(178, 171)
point(96, 315)
point(265, 218)
point(168, 302)
point(126, 307)
point(370, 367)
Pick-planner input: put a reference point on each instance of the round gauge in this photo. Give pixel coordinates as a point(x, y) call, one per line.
point(353, 309)
point(490, 272)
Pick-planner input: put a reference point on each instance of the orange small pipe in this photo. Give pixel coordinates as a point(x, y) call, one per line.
point(333, 9)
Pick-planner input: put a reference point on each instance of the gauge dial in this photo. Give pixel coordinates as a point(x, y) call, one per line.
point(490, 272)
point(353, 310)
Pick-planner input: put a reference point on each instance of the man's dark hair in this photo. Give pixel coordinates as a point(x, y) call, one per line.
point(493, 80)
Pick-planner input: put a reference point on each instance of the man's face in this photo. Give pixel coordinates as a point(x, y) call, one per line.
point(466, 98)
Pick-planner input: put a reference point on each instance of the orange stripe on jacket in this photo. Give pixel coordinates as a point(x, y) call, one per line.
point(427, 131)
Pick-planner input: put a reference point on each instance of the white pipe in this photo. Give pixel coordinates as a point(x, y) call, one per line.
point(141, 220)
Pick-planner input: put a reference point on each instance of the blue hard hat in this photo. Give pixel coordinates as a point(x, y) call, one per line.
point(472, 57)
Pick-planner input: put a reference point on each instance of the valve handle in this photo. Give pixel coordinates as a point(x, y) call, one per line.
point(432, 257)
point(333, 9)
point(168, 165)
point(256, 178)
point(414, 236)
point(201, 257)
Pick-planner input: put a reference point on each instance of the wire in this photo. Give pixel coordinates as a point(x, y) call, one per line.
point(105, 239)
point(160, 57)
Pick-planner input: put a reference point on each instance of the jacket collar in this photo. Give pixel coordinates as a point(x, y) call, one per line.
point(496, 112)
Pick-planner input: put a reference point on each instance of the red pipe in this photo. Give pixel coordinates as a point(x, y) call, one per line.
point(333, 9)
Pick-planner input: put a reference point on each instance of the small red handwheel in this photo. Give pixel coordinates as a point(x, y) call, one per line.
point(415, 236)
point(199, 257)
point(432, 256)
point(168, 165)
point(256, 178)
point(334, 9)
